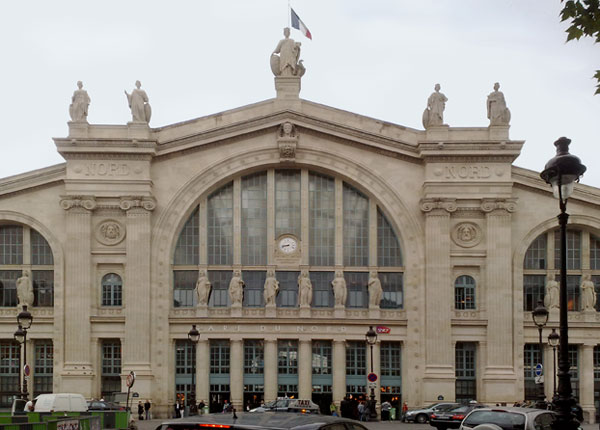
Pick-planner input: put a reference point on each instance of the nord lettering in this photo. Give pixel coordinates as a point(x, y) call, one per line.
point(467, 172)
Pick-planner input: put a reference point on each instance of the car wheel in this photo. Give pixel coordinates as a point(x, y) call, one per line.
point(421, 418)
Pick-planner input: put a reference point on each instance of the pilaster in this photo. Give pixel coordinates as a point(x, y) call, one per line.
point(203, 371)
point(304, 369)
point(270, 374)
point(236, 373)
point(586, 381)
point(339, 369)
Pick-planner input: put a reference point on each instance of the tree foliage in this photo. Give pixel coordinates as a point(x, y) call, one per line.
point(585, 21)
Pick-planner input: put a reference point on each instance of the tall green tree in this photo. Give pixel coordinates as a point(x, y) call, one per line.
point(584, 16)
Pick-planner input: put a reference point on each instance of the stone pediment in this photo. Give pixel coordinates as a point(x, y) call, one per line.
point(33, 179)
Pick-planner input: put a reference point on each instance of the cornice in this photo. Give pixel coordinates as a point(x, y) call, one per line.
point(33, 179)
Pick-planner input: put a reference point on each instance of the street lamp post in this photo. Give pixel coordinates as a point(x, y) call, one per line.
point(562, 172)
point(24, 321)
point(553, 339)
point(194, 337)
point(371, 337)
point(540, 318)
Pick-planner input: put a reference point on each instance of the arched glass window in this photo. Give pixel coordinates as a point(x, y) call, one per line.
point(112, 290)
point(24, 249)
point(464, 293)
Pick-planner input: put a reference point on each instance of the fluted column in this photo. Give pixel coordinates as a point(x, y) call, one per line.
point(270, 369)
point(305, 369)
point(439, 355)
point(203, 371)
point(236, 373)
point(339, 370)
point(77, 372)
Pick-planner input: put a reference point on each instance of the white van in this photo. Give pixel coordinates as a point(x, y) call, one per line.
point(60, 402)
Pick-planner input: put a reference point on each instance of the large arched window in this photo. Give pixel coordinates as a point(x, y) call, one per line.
point(112, 290)
point(24, 249)
point(294, 219)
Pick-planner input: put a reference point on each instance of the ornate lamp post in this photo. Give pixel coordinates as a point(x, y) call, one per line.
point(562, 172)
point(553, 339)
point(194, 337)
point(371, 337)
point(540, 318)
point(24, 321)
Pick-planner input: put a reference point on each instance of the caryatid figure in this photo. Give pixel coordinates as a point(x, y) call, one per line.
point(340, 291)
point(24, 290)
point(375, 290)
point(80, 102)
point(551, 299)
point(203, 288)
point(236, 288)
point(306, 289)
point(271, 288)
point(588, 292)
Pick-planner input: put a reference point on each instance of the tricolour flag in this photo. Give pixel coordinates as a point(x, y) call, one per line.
point(299, 25)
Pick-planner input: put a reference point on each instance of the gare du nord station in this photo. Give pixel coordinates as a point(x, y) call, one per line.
point(283, 230)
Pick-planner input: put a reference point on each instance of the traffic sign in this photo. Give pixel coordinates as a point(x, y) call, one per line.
point(372, 377)
point(26, 370)
point(539, 379)
point(539, 369)
point(372, 385)
point(130, 380)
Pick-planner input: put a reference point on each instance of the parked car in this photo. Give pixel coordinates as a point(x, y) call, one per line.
point(267, 420)
point(102, 405)
point(305, 406)
point(422, 415)
point(510, 418)
point(452, 418)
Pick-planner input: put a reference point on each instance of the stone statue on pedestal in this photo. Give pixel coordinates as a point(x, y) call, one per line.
point(375, 290)
point(288, 62)
point(497, 112)
point(78, 110)
point(434, 112)
point(306, 289)
point(271, 288)
point(340, 291)
point(588, 293)
point(236, 288)
point(138, 103)
point(203, 288)
point(552, 293)
point(24, 290)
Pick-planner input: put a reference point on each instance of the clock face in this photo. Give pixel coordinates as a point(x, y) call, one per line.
point(288, 245)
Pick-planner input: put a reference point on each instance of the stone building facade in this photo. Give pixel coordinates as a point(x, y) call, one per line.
point(461, 242)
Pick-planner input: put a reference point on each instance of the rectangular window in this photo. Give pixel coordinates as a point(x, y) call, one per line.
point(112, 290)
point(594, 253)
point(254, 288)
point(321, 357)
point(464, 293)
point(573, 250)
point(356, 228)
point(465, 371)
point(287, 357)
point(43, 367)
point(389, 253)
point(10, 367)
point(41, 254)
point(534, 289)
point(287, 390)
point(43, 288)
point(187, 248)
point(254, 219)
point(531, 357)
point(111, 367)
point(322, 290)
point(535, 258)
point(219, 357)
point(220, 226)
point(184, 284)
point(356, 358)
point(219, 296)
point(356, 284)
point(573, 292)
point(288, 289)
point(287, 202)
point(254, 357)
point(8, 287)
point(321, 204)
point(11, 245)
point(596, 281)
point(390, 359)
point(393, 291)
point(574, 368)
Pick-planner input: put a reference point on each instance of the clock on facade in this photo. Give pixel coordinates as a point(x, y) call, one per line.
point(288, 245)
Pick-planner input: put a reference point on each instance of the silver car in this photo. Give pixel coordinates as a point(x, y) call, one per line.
point(422, 415)
point(509, 418)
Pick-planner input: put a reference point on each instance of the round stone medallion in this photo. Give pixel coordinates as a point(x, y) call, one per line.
point(467, 234)
point(110, 232)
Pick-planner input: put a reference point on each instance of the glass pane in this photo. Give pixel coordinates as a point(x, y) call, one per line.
point(287, 202)
point(41, 254)
point(288, 289)
point(534, 289)
point(356, 283)
point(322, 290)
point(356, 358)
point(112, 294)
point(321, 219)
point(464, 293)
point(43, 288)
point(253, 291)
point(535, 257)
point(254, 357)
point(254, 219)
point(184, 284)
point(8, 287)
point(573, 250)
point(356, 228)
point(220, 226)
point(388, 248)
point(594, 253)
point(321, 357)
point(11, 244)
point(186, 250)
point(219, 279)
point(393, 292)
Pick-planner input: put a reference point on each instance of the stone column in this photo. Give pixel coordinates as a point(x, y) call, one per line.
point(203, 371)
point(270, 369)
point(77, 373)
point(499, 376)
point(439, 374)
point(137, 292)
point(586, 383)
point(339, 370)
point(304, 369)
point(236, 373)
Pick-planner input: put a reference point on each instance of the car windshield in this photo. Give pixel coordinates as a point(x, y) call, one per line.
point(505, 419)
point(460, 409)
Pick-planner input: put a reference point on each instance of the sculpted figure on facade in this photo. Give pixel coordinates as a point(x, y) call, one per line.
point(340, 291)
point(24, 290)
point(375, 290)
point(552, 293)
point(78, 109)
point(203, 288)
point(588, 293)
point(236, 288)
point(434, 112)
point(497, 112)
point(305, 287)
point(271, 288)
point(288, 62)
point(138, 103)
point(287, 130)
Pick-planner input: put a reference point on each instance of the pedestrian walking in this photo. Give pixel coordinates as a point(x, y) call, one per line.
point(147, 406)
point(404, 411)
point(140, 410)
point(385, 411)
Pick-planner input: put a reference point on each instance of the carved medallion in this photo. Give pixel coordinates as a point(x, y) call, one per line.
point(110, 232)
point(467, 234)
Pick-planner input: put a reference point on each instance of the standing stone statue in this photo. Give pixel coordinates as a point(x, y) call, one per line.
point(288, 62)
point(236, 288)
point(497, 112)
point(271, 288)
point(203, 288)
point(340, 291)
point(305, 287)
point(588, 292)
point(78, 109)
point(434, 112)
point(552, 293)
point(375, 290)
point(138, 103)
point(24, 290)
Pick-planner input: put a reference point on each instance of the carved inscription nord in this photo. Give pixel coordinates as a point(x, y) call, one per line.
point(467, 172)
point(106, 169)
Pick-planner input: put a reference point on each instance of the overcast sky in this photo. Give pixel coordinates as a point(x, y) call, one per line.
point(373, 57)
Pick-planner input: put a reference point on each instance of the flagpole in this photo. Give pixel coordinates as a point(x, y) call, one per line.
point(289, 14)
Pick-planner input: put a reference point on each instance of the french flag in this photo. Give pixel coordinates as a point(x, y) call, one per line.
point(299, 25)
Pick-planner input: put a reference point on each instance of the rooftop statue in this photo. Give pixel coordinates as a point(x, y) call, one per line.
point(434, 112)
point(138, 103)
point(288, 62)
point(497, 112)
point(78, 110)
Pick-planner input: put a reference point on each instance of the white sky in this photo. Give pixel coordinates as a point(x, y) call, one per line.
point(379, 58)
